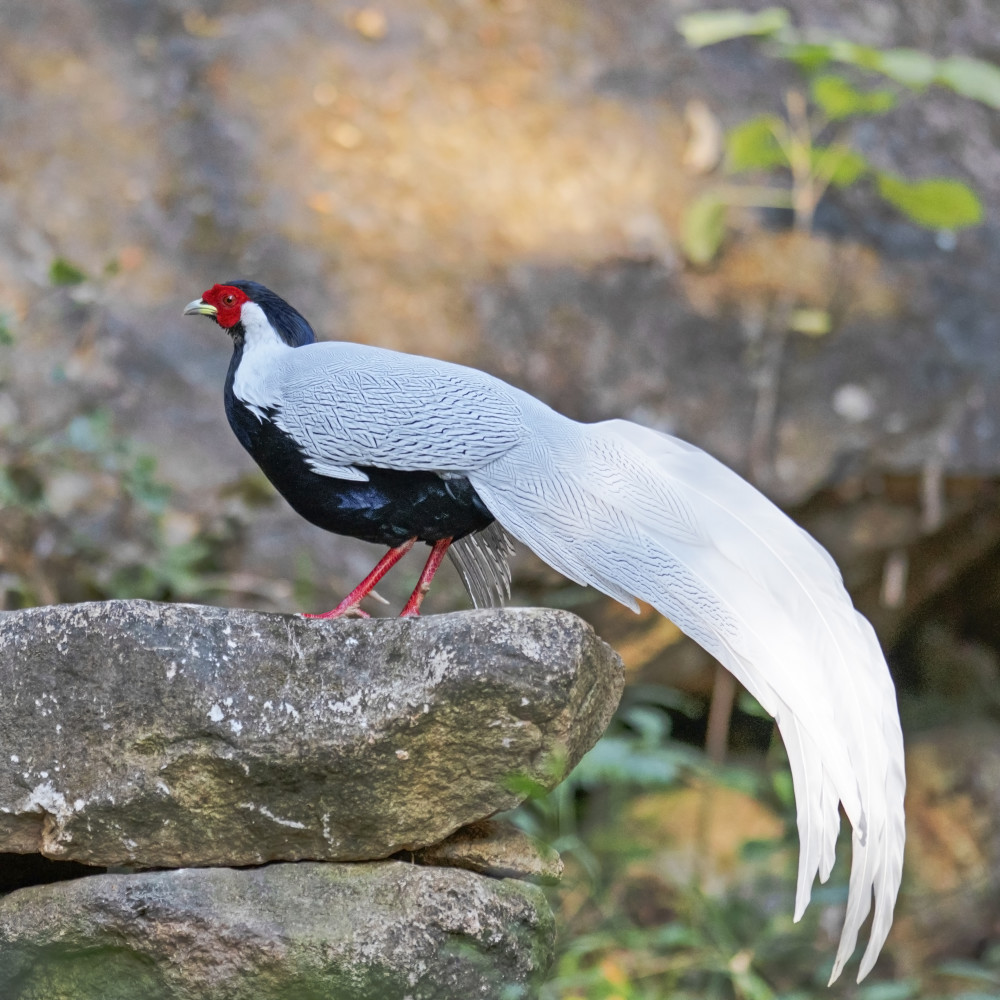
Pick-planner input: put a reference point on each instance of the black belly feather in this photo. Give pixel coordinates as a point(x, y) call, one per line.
point(390, 508)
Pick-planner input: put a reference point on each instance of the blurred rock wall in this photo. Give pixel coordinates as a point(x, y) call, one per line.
point(497, 182)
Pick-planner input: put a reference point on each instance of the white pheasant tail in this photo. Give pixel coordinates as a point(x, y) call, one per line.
point(639, 514)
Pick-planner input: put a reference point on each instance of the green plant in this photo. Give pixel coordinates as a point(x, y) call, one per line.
point(809, 142)
point(704, 946)
point(83, 516)
point(635, 752)
point(64, 272)
point(634, 928)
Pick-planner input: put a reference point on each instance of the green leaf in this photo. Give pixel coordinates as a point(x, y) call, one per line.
point(910, 67)
point(753, 145)
point(965, 969)
point(840, 99)
point(839, 165)
point(141, 484)
point(619, 760)
point(808, 56)
point(709, 27)
point(525, 785)
point(749, 705)
point(650, 725)
point(759, 850)
point(937, 203)
point(904, 989)
point(781, 782)
point(751, 986)
point(703, 228)
point(863, 56)
point(810, 322)
point(6, 335)
point(62, 272)
point(971, 78)
point(91, 432)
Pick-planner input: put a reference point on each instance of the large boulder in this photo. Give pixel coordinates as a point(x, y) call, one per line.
point(382, 931)
point(174, 735)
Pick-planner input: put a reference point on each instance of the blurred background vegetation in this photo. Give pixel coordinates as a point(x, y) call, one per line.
point(772, 231)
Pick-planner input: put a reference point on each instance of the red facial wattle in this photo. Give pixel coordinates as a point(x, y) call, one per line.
point(229, 301)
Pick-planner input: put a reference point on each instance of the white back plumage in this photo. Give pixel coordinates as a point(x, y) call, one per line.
point(641, 515)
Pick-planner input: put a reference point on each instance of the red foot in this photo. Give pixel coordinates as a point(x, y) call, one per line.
point(338, 612)
point(350, 604)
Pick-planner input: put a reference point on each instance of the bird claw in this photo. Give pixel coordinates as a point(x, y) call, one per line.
point(352, 612)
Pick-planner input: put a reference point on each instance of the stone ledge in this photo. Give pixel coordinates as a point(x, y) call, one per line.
point(497, 848)
point(157, 735)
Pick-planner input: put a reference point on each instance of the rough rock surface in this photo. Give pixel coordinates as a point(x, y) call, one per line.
point(380, 931)
point(173, 735)
point(497, 848)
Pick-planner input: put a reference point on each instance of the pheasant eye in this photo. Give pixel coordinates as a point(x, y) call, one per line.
point(229, 300)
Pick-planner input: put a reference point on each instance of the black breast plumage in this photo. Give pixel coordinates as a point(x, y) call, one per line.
point(389, 508)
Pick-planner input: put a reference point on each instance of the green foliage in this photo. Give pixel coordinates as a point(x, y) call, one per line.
point(937, 204)
point(756, 144)
point(711, 27)
point(838, 98)
point(92, 434)
point(110, 538)
point(703, 228)
point(910, 67)
point(62, 272)
point(806, 144)
point(985, 972)
point(975, 79)
point(972, 78)
point(738, 944)
point(838, 165)
point(810, 322)
point(631, 930)
point(634, 753)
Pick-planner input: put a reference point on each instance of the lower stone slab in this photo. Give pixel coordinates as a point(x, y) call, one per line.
point(386, 930)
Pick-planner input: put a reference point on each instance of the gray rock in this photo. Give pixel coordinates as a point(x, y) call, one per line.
point(381, 931)
point(172, 735)
point(498, 848)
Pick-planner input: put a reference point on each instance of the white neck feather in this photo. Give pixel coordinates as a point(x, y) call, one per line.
point(255, 383)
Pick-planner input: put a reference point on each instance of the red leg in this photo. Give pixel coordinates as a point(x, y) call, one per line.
point(424, 583)
point(350, 604)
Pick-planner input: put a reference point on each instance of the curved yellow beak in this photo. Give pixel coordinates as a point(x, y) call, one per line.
point(200, 308)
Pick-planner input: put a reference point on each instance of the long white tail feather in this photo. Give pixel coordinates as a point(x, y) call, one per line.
point(830, 827)
point(890, 861)
point(807, 776)
point(638, 514)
